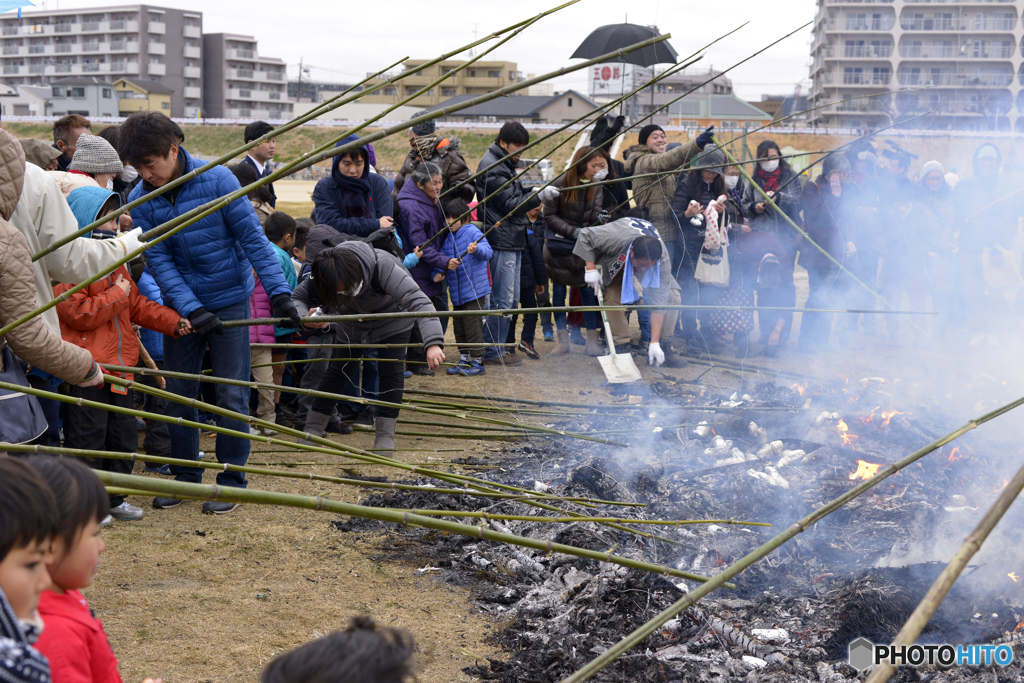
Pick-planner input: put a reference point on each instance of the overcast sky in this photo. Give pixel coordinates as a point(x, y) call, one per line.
point(342, 41)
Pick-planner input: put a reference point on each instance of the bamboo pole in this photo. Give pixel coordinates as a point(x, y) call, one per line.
point(249, 496)
point(691, 598)
point(555, 520)
point(255, 345)
point(926, 609)
point(512, 399)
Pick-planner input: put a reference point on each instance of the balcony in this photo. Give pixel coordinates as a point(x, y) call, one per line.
point(241, 75)
point(90, 47)
point(12, 50)
point(156, 48)
point(861, 25)
point(193, 93)
point(117, 46)
point(865, 51)
point(37, 68)
point(36, 49)
point(11, 30)
point(125, 25)
point(925, 52)
point(235, 53)
point(193, 72)
point(63, 48)
point(90, 26)
point(157, 27)
point(125, 67)
point(928, 25)
point(63, 68)
point(193, 32)
point(193, 52)
point(91, 68)
point(156, 69)
point(12, 70)
point(246, 113)
point(866, 78)
point(62, 28)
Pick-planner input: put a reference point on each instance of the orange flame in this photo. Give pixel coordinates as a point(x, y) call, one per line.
point(1019, 627)
point(865, 470)
point(888, 415)
point(844, 433)
point(800, 388)
point(1013, 576)
point(954, 455)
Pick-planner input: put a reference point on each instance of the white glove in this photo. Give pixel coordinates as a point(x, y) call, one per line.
point(655, 356)
point(93, 379)
point(592, 278)
point(549, 193)
point(130, 240)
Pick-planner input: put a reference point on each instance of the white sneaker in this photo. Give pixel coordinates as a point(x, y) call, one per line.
point(106, 520)
point(126, 512)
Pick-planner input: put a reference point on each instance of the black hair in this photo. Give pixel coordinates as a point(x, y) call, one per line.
point(110, 135)
point(63, 126)
point(766, 146)
point(278, 226)
point(355, 154)
point(146, 134)
point(80, 495)
point(301, 233)
point(28, 508)
point(305, 222)
point(362, 653)
point(455, 207)
point(695, 183)
point(256, 130)
point(246, 174)
point(647, 248)
point(334, 269)
point(112, 204)
point(513, 132)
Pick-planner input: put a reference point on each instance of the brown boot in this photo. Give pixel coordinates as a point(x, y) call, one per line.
point(594, 343)
point(562, 346)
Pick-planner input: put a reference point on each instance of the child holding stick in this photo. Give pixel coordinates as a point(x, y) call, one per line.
point(468, 284)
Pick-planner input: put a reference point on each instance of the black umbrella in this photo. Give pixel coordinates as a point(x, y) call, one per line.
point(615, 36)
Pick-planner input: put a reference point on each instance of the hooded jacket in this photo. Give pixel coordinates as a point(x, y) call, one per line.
point(511, 234)
point(448, 158)
point(74, 640)
point(34, 342)
point(563, 217)
point(608, 246)
point(387, 287)
point(210, 263)
point(68, 182)
point(655, 194)
point(39, 152)
point(770, 220)
point(99, 318)
point(470, 281)
point(534, 271)
point(995, 223)
point(260, 307)
point(419, 220)
point(19, 661)
point(328, 199)
point(824, 222)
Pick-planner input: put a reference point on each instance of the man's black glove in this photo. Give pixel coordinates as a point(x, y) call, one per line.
point(617, 124)
point(575, 234)
point(204, 322)
point(284, 307)
point(603, 217)
point(704, 139)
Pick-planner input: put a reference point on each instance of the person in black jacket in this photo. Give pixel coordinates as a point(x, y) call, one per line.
point(601, 134)
point(508, 239)
point(533, 281)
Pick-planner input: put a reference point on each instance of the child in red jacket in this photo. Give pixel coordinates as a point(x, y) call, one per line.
point(99, 318)
point(73, 639)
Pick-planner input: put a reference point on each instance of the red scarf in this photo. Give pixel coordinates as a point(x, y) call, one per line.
point(770, 180)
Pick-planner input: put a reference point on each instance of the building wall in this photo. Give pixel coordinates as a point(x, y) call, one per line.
point(967, 55)
point(241, 83)
point(560, 111)
point(480, 78)
point(213, 75)
point(91, 105)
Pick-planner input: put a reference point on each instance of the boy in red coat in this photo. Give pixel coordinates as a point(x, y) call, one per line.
point(99, 318)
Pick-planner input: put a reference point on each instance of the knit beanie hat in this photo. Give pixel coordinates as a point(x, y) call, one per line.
point(94, 155)
point(932, 166)
point(646, 131)
point(425, 128)
point(712, 157)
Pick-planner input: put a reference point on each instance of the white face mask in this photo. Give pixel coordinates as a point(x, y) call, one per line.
point(601, 175)
point(770, 166)
point(352, 290)
point(110, 184)
point(730, 181)
point(129, 174)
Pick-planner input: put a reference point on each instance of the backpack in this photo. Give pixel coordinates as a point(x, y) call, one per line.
point(382, 238)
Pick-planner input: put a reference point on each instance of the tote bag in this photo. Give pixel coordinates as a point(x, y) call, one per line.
point(713, 267)
point(21, 416)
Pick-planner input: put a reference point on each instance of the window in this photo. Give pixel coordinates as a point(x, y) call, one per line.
point(472, 73)
point(78, 93)
point(512, 76)
point(730, 124)
point(165, 105)
point(106, 93)
point(58, 91)
point(570, 102)
point(493, 74)
point(390, 91)
point(447, 92)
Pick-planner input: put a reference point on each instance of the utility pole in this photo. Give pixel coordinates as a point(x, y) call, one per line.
point(298, 86)
point(476, 30)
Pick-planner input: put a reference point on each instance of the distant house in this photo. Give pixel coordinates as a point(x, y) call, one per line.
point(140, 95)
point(558, 108)
point(86, 95)
point(25, 100)
point(724, 111)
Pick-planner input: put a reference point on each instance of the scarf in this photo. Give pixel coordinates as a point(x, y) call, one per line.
point(355, 194)
point(19, 661)
point(769, 181)
point(425, 146)
point(651, 279)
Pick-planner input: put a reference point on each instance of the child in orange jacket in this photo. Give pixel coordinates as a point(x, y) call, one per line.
point(99, 318)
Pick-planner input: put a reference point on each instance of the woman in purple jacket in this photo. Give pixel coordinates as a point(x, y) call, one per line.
point(420, 219)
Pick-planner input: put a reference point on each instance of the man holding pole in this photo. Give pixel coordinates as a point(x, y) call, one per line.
point(205, 272)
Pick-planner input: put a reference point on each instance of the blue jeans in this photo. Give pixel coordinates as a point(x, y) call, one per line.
point(505, 269)
point(230, 355)
point(559, 295)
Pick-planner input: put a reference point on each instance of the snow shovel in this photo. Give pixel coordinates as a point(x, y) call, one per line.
point(619, 368)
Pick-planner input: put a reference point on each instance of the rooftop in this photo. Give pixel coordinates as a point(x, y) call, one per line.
point(515, 106)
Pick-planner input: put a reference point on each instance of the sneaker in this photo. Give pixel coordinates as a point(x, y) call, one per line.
point(455, 370)
point(549, 335)
point(422, 370)
point(475, 367)
point(154, 468)
point(624, 348)
point(642, 348)
point(106, 521)
point(126, 512)
point(504, 360)
point(202, 454)
point(284, 415)
point(527, 348)
point(407, 374)
point(576, 337)
point(366, 416)
point(265, 431)
point(336, 426)
point(140, 424)
point(161, 503)
point(213, 507)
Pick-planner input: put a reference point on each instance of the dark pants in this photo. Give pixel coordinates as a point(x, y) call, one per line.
point(544, 301)
point(314, 372)
point(157, 440)
point(51, 411)
point(95, 429)
point(366, 380)
point(470, 329)
point(229, 355)
point(689, 294)
point(527, 299)
point(587, 295)
point(391, 378)
point(418, 353)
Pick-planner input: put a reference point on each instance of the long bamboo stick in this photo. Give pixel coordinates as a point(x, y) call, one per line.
point(472, 345)
point(249, 496)
point(531, 518)
point(691, 598)
point(926, 609)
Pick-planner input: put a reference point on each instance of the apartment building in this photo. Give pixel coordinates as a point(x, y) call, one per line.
point(478, 79)
point(132, 41)
point(240, 83)
point(965, 56)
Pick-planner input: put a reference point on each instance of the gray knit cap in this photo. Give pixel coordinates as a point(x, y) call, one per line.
point(710, 157)
point(425, 128)
point(94, 155)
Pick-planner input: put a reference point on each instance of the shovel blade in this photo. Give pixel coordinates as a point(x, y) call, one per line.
point(619, 368)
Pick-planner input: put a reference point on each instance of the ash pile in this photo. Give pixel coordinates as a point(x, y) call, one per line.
point(765, 455)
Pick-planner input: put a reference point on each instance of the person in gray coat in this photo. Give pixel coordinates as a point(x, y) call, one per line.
point(630, 251)
point(354, 278)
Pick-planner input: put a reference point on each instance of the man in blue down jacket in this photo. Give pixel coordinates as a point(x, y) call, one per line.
point(509, 239)
point(205, 272)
